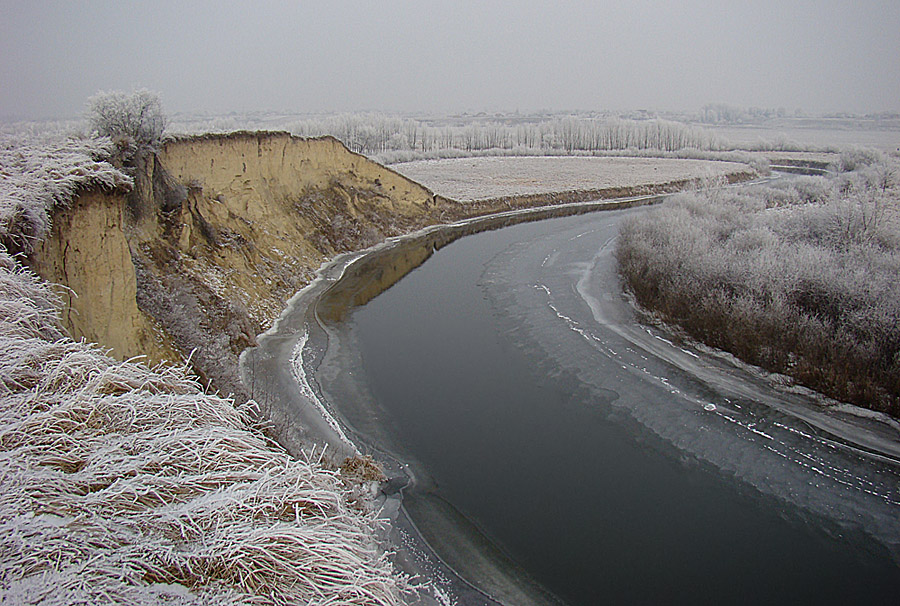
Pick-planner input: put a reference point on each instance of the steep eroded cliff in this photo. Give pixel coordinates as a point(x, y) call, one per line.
point(217, 234)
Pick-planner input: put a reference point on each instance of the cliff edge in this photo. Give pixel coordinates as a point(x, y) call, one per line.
point(217, 233)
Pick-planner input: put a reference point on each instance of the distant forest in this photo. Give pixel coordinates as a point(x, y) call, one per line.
point(393, 138)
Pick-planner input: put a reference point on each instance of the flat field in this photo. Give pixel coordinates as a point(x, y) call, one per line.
point(470, 179)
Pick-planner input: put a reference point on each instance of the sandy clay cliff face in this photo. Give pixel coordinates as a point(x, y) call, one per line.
point(217, 234)
point(219, 231)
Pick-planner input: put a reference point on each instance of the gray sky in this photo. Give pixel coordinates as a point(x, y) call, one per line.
point(451, 55)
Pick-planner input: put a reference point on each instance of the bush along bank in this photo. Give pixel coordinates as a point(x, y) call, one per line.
point(798, 277)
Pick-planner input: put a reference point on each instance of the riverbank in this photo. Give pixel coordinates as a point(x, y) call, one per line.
point(231, 224)
point(130, 484)
point(189, 257)
point(798, 279)
point(219, 231)
point(489, 462)
point(299, 340)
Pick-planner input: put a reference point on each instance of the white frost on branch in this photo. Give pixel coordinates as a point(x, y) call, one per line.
point(136, 117)
point(799, 277)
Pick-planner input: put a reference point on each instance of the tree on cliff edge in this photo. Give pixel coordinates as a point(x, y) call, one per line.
point(130, 119)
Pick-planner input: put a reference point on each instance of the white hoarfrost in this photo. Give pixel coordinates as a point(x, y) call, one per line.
point(123, 484)
point(306, 389)
point(469, 179)
point(38, 173)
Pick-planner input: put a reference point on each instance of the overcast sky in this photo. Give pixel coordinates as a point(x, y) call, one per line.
point(451, 55)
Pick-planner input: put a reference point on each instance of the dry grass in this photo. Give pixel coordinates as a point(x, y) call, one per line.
point(38, 173)
point(123, 484)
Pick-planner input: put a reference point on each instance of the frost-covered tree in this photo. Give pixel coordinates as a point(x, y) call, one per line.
point(798, 277)
point(135, 117)
point(371, 133)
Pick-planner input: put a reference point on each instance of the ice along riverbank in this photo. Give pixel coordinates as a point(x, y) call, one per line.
point(609, 464)
point(279, 372)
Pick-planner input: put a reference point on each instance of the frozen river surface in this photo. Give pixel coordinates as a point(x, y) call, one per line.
point(610, 462)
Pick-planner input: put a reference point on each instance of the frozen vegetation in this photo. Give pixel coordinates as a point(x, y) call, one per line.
point(390, 139)
point(132, 120)
point(799, 277)
point(713, 133)
point(123, 484)
point(38, 172)
point(376, 134)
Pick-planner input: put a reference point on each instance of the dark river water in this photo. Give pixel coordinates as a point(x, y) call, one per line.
point(600, 457)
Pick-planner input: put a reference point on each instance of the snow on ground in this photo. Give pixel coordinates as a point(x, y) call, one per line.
point(469, 179)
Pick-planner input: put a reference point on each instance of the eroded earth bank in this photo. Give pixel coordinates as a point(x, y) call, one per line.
point(220, 231)
point(202, 253)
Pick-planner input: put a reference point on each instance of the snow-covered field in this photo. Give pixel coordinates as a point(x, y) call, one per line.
point(468, 179)
point(787, 136)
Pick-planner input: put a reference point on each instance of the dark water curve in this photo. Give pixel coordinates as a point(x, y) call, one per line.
point(611, 463)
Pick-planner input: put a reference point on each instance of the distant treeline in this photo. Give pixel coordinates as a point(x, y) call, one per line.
point(800, 278)
point(721, 113)
point(374, 134)
point(392, 138)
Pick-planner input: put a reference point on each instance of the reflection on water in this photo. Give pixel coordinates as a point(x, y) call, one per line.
point(607, 461)
point(380, 269)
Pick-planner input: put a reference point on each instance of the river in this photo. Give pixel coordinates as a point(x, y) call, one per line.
point(555, 441)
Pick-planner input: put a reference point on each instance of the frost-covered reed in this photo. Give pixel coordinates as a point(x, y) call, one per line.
point(799, 278)
point(38, 172)
point(123, 484)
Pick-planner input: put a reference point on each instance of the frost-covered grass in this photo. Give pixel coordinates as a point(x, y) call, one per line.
point(39, 172)
point(469, 179)
point(799, 278)
point(123, 484)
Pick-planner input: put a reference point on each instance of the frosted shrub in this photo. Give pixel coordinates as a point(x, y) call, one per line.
point(813, 190)
point(800, 278)
point(128, 118)
point(855, 159)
